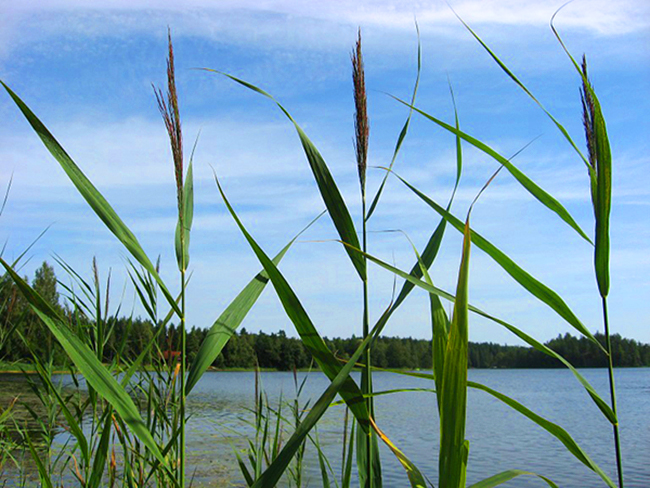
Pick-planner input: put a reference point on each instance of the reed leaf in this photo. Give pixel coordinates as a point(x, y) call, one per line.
point(403, 132)
point(414, 475)
point(453, 387)
point(44, 476)
point(231, 318)
point(341, 382)
point(527, 281)
point(95, 373)
point(602, 405)
point(330, 193)
point(508, 475)
point(94, 198)
point(273, 473)
point(311, 338)
point(73, 425)
point(183, 246)
point(535, 190)
point(101, 453)
point(512, 76)
point(555, 430)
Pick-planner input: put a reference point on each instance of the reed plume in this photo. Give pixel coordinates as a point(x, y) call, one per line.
point(361, 114)
point(168, 106)
point(588, 112)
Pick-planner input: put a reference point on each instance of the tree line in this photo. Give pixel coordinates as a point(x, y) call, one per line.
point(25, 335)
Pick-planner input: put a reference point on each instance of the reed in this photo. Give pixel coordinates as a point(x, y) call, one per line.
point(138, 417)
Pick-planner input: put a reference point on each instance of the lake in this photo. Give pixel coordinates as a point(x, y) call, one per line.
point(500, 438)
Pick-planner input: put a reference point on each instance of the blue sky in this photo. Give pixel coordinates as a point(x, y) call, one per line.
point(87, 72)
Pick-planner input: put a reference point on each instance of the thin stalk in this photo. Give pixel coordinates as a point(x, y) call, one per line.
point(182, 373)
point(361, 149)
point(366, 386)
point(612, 393)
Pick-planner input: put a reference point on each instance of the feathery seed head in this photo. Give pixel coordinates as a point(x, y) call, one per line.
point(588, 112)
point(361, 114)
point(168, 107)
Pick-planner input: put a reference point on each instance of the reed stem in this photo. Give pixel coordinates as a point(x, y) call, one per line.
point(367, 381)
point(612, 393)
point(182, 379)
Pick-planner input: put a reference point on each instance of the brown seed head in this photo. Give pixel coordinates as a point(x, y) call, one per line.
point(361, 114)
point(168, 107)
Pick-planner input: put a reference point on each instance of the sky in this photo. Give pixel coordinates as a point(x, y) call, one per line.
point(87, 71)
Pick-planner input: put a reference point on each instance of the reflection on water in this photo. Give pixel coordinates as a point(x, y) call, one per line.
point(500, 438)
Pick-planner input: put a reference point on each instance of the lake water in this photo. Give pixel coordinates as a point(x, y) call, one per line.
point(500, 438)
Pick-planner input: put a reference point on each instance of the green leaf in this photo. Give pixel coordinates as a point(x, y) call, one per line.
point(508, 475)
point(554, 429)
point(542, 196)
point(183, 246)
point(603, 202)
point(528, 282)
point(326, 185)
point(227, 323)
point(73, 425)
point(453, 387)
point(311, 338)
point(523, 87)
point(102, 452)
point(415, 477)
point(341, 383)
point(95, 373)
point(42, 470)
point(602, 405)
point(403, 132)
point(95, 199)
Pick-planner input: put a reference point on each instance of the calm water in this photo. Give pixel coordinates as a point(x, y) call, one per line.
point(500, 438)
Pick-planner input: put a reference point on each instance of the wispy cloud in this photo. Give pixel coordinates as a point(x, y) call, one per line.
point(320, 26)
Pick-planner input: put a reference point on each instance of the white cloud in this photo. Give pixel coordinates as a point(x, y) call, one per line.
point(303, 24)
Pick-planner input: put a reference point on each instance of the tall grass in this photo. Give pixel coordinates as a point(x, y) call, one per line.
point(147, 411)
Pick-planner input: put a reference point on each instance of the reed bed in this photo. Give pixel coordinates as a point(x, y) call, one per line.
point(130, 431)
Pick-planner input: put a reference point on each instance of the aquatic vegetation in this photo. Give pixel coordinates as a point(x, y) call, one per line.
point(137, 435)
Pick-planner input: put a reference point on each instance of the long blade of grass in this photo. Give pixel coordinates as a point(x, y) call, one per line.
point(535, 190)
point(311, 338)
point(95, 373)
point(555, 430)
point(527, 281)
point(415, 477)
point(183, 248)
point(403, 132)
point(101, 454)
point(73, 425)
point(602, 405)
point(512, 76)
point(508, 475)
point(341, 382)
point(453, 387)
point(603, 202)
point(326, 185)
point(347, 466)
point(6, 197)
point(231, 318)
point(275, 470)
point(94, 198)
point(46, 481)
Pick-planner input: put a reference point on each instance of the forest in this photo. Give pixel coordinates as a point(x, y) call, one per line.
point(278, 351)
